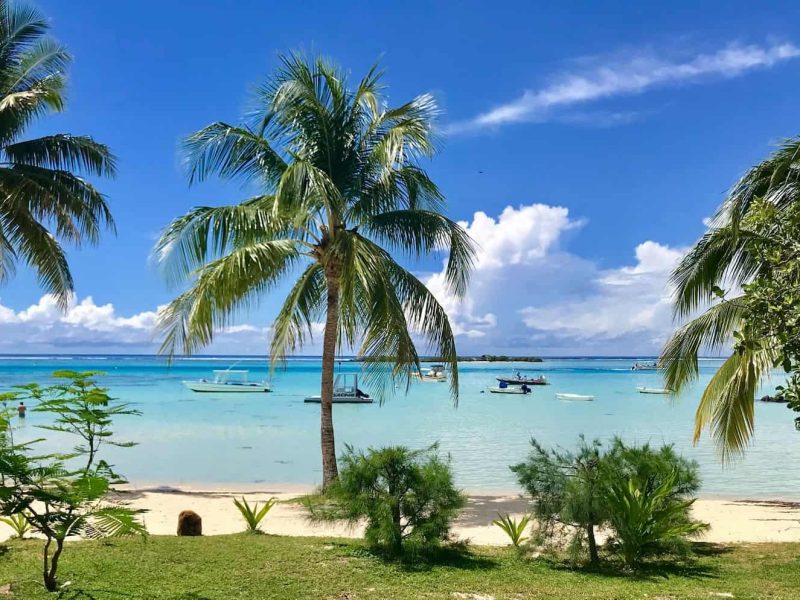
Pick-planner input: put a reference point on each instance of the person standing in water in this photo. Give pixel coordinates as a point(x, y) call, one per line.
point(21, 410)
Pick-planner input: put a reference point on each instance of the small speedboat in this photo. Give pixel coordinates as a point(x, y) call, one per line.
point(518, 379)
point(645, 366)
point(345, 391)
point(509, 390)
point(228, 381)
point(647, 390)
point(574, 397)
point(434, 373)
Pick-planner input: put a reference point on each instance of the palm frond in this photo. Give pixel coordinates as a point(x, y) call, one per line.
point(64, 152)
point(710, 331)
point(222, 288)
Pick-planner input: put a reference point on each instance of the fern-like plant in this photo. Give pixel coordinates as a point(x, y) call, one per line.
point(253, 515)
point(18, 523)
point(514, 529)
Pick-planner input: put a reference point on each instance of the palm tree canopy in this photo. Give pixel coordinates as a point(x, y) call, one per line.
point(41, 196)
point(340, 188)
point(724, 259)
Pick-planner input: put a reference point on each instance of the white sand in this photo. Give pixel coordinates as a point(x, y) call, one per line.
point(731, 520)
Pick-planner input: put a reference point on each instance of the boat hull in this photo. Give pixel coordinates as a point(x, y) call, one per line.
point(580, 397)
point(522, 381)
point(227, 388)
point(508, 390)
point(654, 391)
point(341, 400)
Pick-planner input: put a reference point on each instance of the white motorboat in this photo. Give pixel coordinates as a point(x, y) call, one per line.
point(647, 390)
point(510, 390)
point(645, 366)
point(345, 391)
point(228, 381)
point(574, 397)
point(434, 373)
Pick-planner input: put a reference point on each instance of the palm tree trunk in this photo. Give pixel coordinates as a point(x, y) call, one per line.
point(329, 469)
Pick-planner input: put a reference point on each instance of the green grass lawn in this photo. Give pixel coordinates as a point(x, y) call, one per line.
point(262, 566)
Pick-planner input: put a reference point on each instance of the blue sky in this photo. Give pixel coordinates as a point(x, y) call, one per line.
point(605, 127)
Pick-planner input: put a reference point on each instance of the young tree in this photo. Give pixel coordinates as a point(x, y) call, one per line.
point(43, 198)
point(340, 187)
point(65, 494)
point(407, 497)
point(642, 494)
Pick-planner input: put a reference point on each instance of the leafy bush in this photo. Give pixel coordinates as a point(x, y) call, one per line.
point(567, 491)
point(514, 529)
point(648, 520)
point(642, 494)
point(18, 523)
point(253, 515)
point(65, 494)
point(407, 498)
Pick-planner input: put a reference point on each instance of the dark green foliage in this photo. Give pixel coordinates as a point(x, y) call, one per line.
point(65, 494)
point(577, 492)
point(407, 498)
point(45, 198)
point(649, 520)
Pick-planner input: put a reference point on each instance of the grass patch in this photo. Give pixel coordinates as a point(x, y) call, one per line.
point(267, 566)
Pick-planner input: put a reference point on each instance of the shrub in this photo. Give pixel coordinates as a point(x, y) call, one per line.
point(18, 523)
point(253, 515)
point(567, 491)
point(407, 498)
point(649, 520)
point(65, 494)
point(642, 494)
point(514, 529)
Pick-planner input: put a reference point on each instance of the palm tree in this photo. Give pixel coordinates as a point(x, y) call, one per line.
point(39, 190)
point(723, 258)
point(340, 186)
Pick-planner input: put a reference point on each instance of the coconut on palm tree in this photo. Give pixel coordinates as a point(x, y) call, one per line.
point(42, 198)
point(710, 280)
point(339, 188)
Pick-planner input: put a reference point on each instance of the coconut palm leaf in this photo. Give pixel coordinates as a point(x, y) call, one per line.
point(42, 196)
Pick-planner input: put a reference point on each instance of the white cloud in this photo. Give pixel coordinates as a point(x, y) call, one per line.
point(623, 303)
point(529, 295)
point(633, 75)
point(88, 327)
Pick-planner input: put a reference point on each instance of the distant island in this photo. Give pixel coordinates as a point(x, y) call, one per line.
point(481, 358)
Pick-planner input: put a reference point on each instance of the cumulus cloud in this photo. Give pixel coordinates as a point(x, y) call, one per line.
point(629, 307)
point(88, 327)
point(529, 295)
point(637, 73)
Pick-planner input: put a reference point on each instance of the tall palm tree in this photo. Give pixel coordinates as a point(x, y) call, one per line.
point(723, 260)
point(339, 187)
point(40, 193)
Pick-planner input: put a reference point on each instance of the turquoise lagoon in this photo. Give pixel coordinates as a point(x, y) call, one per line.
point(189, 438)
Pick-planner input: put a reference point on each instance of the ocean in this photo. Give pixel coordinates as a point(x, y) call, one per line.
point(189, 438)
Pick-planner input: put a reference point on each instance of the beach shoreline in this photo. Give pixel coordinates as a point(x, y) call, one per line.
point(743, 520)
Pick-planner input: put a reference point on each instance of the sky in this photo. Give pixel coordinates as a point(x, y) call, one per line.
point(583, 146)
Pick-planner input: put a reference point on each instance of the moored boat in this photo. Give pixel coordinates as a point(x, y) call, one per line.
point(645, 366)
point(518, 379)
point(228, 381)
point(510, 390)
point(345, 391)
point(647, 390)
point(434, 373)
point(574, 397)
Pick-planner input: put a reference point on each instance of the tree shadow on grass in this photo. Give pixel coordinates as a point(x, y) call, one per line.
point(455, 556)
point(652, 570)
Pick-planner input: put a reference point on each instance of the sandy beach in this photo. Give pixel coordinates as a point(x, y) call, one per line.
point(731, 520)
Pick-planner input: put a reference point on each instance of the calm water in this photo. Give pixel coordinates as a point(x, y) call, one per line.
point(231, 438)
